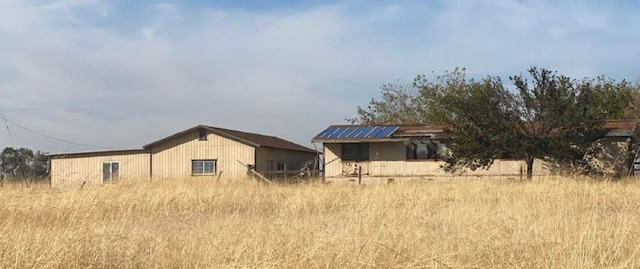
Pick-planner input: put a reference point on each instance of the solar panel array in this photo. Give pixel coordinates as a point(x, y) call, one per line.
point(356, 132)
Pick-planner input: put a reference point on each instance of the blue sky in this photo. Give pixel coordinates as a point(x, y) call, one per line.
point(123, 73)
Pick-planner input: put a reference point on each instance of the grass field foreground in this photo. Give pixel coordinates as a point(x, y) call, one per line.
point(194, 223)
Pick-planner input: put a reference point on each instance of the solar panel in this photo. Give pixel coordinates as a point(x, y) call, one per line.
point(349, 132)
point(386, 131)
point(356, 132)
point(363, 131)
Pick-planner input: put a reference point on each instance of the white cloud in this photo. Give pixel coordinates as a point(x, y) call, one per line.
point(126, 79)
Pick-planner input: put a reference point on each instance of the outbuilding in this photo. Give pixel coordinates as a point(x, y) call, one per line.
point(201, 151)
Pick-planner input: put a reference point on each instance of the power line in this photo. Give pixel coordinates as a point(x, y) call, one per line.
point(50, 137)
point(7, 126)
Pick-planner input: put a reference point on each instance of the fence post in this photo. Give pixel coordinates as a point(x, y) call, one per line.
point(285, 172)
point(359, 174)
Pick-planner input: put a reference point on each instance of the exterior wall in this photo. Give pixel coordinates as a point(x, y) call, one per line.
point(172, 159)
point(293, 159)
point(332, 162)
point(388, 159)
point(614, 159)
point(74, 171)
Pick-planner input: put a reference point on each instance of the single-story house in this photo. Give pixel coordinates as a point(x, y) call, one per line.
point(201, 151)
point(415, 150)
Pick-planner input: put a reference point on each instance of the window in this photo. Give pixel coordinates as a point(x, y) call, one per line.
point(202, 134)
point(203, 167)
point(270, 165)
point(110, 171)
point(427, 150)
point(355, 152)
point(275, 166)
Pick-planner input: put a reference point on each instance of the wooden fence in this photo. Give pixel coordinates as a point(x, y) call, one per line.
point(287, 175)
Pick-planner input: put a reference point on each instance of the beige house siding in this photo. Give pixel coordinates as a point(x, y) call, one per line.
point(172, 158)
point(74, 170)
point(332, 162)
point(294, 160)
point(388, 159)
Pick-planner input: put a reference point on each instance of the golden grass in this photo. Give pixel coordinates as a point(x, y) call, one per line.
point(191, 223)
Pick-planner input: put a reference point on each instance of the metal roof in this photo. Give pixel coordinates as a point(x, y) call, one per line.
point(262, 140)
point(97, 153)
point(439, 131)
point(251, 139)
point(620, 125)
point(381, 133)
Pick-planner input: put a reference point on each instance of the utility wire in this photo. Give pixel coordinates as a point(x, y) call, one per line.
point(7, 126)
point(50, 137)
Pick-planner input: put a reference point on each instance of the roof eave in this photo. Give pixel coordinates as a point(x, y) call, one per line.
point(298, 150)
point(620, 134)
point(104, 152)
point(337, 141)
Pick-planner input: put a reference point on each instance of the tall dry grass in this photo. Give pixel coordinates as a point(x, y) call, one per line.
point(191, 223)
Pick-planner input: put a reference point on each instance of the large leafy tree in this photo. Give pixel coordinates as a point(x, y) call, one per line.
point(556, 117)
point(544, 115)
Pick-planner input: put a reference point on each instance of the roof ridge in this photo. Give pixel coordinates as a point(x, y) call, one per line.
point(227, 129)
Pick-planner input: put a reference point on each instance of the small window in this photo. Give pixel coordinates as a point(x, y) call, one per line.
point(203, 167)
point(271, 165)
point(428, 150)
point(110, 171)
point(355, 152)
point(202, 134)
point(275, 166)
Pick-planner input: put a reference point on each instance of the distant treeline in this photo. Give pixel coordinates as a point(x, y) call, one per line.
point(23, 164)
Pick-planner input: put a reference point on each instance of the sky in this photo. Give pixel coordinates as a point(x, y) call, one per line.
point(121, 74)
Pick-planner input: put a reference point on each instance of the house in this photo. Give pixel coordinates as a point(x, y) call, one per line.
point(417, 150)
point(201, 151)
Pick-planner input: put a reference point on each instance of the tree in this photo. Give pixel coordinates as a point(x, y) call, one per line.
point(557, 117)
point(481, 117)
point(411, 104)
point(23, 163)
point(634, 111)
point(545, 116)
point(400, 104)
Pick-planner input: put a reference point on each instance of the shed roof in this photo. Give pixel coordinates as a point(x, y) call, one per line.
point(357, 132)
point(422, 130)
point(625, 128)
point(251, 139)
point(97, 153)
point(364, 133)
point(621, 127)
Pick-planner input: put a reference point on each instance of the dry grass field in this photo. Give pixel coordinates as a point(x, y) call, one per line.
point(207, 224)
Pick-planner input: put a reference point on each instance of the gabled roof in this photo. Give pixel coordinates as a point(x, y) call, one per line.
point(251, 139)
